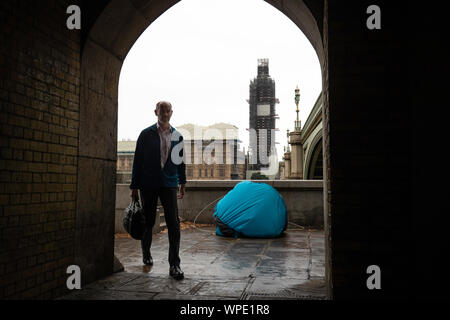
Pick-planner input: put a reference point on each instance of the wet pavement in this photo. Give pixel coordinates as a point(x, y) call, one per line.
point(289, 267)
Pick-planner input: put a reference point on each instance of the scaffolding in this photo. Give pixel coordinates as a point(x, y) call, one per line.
point(262, 116)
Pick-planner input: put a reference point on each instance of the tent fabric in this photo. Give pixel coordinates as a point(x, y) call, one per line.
point(251, 209)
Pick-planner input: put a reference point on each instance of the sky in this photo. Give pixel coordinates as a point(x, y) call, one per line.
point(201, 55)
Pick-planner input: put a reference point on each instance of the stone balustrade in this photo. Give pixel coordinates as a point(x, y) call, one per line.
point(303, 199)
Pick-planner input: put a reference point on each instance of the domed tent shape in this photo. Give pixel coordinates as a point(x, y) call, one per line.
point(251, 210)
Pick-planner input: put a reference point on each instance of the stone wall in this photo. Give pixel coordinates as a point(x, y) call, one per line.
point(39, 120)
point(123, 178)
point(303, 199)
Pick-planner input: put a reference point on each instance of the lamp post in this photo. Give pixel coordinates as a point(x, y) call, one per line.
point(287, 135)
point(297, 101)
point(287, 158)
point(296, 144)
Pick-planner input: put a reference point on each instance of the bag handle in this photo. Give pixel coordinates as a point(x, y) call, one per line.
point(135, 203)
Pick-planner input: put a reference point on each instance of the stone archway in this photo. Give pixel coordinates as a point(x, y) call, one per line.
point(105, 48)
point(313, 152)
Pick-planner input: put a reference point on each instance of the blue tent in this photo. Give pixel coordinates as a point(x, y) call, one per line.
point(251, 210)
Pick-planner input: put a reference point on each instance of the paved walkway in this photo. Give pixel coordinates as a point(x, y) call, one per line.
point(216, 268)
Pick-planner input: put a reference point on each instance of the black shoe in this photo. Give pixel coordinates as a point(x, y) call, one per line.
point(148, 261)
point(176, 273)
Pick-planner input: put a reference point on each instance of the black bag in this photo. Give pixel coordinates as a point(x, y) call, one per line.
point(134, 220)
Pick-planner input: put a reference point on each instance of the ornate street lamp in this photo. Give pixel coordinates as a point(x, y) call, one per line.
point(297, 101)
point(287, 135)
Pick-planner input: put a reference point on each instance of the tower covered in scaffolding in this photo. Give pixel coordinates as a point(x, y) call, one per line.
point(262, 117)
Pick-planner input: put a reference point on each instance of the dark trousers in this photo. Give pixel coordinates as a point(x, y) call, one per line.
point(168, 197)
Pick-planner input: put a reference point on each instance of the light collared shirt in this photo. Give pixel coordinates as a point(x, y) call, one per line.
point(165, 137)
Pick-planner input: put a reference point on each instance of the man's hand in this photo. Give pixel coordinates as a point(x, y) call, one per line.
point(180, 194)
point(135, 194)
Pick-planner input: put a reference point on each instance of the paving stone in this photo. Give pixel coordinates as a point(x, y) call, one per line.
point(317, 269)
point(281, 271)
point(167, 296)
point(235, 264)
point(158, 285)
point(286, 287)
point(114, 281)
point(216, 268)
point(223, 288)
point(248, 248)
point(298, 244)
point(317, 234)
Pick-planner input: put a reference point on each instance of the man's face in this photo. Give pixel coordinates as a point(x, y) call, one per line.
point(164, 112)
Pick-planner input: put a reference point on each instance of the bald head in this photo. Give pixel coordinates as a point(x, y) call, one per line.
point(164, 104)
point(164, 112)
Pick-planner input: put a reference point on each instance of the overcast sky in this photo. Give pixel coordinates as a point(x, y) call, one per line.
point(201, 55)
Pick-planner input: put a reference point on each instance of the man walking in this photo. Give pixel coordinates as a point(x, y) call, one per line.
point(159, 171)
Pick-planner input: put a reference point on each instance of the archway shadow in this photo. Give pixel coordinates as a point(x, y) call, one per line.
point(113, 34)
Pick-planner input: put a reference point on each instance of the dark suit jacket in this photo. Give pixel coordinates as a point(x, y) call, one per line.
point(147, 172)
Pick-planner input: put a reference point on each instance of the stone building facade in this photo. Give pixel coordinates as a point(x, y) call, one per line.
point(125, 155)
point(213, 152)
point(202, 159)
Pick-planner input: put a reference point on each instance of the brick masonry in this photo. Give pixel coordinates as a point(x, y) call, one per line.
point(39, 120)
